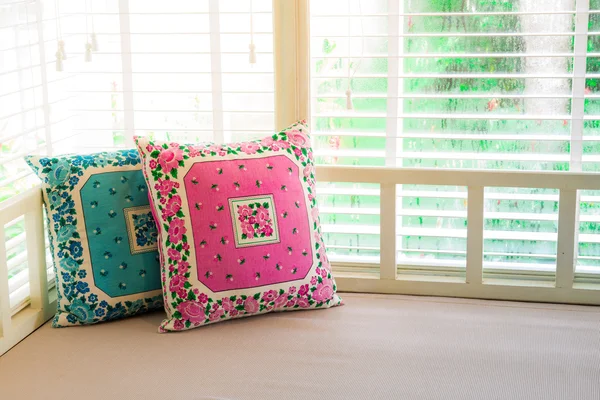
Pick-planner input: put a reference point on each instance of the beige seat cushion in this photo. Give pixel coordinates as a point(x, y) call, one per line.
point(374, 347)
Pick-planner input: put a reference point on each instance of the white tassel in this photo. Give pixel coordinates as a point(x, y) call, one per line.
point(252, 55)
point(349, 105)
point(88, 52)
point(94, 42)
point(59, 60)
point(61, 48)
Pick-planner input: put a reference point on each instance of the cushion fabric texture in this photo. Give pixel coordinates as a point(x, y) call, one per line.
point(103, 237)
point(239, 228)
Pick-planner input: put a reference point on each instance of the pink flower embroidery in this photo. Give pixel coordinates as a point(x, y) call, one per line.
point(243, 212)
point(315, 214)
point(152, 164)
point(322, 255)
point(194, 151)
point(176, 230)
point(172, 207)
point(215, 148)
point(249, 147)
point(233, 313)
point(176, 283)
point(215, 315)
point(164, 186)
point(283, 144)
point(303, 290)
point(183, 267)
point(307, 171)
point(298, 138)
point(178, 325)
point(173, 254)
point(251, 305)
point(303, 302)
point(262, 216)
point(267, 142)
point(227, 304)
point(202, 298)
point(324, 291)
point(269, 296)
point(248, 230)
point(169, 158)
point(281, 300)
point(255, 222)
point(191, 311)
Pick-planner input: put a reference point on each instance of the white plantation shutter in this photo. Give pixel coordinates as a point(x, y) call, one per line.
point(436, 84)
point(179, 71)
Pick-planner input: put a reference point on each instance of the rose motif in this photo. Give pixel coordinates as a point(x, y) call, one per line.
point(298, 138)
point(191, 311)
point(176, 230)
point(172, 207)
point(251, 305)
point(323, 292)
point(169, 158)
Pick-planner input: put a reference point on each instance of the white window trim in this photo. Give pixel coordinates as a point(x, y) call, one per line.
point(291, 43)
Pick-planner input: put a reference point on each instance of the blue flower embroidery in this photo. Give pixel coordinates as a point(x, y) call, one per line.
point(59, 172)
point(82, 287)
point(81, 311)
point(146, 233)
point(69, 264)
point(75, 249)
point(66, 232)
point(117, 311)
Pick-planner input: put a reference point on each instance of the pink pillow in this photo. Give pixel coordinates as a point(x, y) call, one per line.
point(239, 228)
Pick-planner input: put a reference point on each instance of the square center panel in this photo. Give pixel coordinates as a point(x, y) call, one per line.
point(141, 229)
point(250, 222)
point(254, 220)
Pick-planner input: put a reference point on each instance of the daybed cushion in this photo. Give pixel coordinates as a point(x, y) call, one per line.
point(375, 347)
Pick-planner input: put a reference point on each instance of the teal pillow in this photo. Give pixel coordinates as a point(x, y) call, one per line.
point(103, 237)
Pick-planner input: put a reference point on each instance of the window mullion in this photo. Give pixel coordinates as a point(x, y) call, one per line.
point(579, 69)
point(388, 237)
point(291, 61)
point(215, 71)
point(43, 77)
point(126, 71)
point(393, 125)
